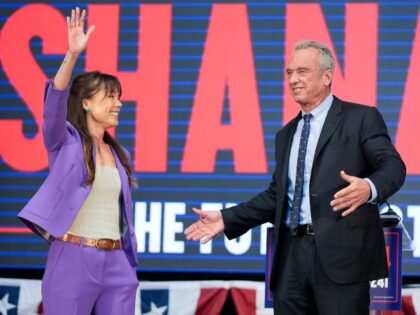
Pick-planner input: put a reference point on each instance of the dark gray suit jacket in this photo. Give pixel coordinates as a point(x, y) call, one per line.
point(354, 138)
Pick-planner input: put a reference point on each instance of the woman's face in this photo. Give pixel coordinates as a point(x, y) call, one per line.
point(103, 109)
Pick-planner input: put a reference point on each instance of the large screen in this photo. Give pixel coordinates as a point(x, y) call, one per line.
point(203, 95)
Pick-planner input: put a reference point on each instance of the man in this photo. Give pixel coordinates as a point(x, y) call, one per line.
point(334, 163)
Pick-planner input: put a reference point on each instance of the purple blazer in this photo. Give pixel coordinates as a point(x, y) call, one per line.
point(55, 205)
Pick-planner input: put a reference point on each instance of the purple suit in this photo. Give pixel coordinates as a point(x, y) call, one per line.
point(59, 199)
point(78, 280)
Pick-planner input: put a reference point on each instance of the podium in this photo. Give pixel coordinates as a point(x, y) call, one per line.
point(385, 293)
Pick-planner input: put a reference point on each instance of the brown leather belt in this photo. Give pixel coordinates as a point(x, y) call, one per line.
point(305, 229)
point(102, 243)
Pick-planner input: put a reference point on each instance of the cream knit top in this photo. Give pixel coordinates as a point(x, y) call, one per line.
point(99, 216)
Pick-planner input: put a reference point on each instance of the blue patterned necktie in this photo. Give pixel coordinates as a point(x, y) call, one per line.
point(300, 170)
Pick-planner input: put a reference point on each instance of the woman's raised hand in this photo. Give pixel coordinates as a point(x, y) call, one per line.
point(77, 38)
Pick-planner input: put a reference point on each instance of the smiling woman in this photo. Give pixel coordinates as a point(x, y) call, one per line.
point(84, 207)
point(100, 97)
point(94, 88)
point(94, 106)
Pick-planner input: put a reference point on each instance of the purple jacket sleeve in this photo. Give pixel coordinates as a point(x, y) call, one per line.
point(55, 112)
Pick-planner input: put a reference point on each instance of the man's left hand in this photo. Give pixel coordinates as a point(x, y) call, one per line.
point(351, 197)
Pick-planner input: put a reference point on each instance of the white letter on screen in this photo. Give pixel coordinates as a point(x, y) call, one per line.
point(171, 227)
point(151, 226)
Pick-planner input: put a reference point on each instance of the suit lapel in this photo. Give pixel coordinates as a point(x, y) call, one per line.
point(122, 172)
point(285, 149)
point(331, 122)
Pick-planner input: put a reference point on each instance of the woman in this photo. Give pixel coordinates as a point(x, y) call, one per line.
point(84, 206)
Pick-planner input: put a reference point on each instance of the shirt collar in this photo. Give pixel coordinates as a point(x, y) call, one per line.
point(322, 109)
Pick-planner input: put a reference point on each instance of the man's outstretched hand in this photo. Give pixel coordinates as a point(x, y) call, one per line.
point(208, 226)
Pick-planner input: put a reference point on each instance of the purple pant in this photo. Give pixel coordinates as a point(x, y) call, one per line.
point(81, 280)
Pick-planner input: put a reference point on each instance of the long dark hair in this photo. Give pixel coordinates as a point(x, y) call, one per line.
point(84, 86)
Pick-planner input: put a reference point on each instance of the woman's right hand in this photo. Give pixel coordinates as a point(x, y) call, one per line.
point(77, 38)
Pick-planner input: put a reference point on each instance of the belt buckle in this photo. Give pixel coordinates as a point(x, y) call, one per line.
point(101, 240)
point(309, 229)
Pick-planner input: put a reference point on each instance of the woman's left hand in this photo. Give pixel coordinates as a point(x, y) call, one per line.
point(77, 38)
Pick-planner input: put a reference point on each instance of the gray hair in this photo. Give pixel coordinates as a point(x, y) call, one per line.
point(326, 58)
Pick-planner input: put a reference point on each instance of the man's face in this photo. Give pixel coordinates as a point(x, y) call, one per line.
point(308, 83)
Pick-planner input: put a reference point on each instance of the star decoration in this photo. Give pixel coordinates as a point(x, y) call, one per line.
point(5, 305)
point(154, 310)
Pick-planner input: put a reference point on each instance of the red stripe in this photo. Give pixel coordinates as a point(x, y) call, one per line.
point(407, 308)
point(407, 305)
point(11, 230)
point(211, 301)
point(245, 300)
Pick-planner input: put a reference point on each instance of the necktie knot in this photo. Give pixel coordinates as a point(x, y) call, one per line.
point(307, 117)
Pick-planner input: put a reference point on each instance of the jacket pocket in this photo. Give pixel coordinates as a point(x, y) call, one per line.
point(45, 201)
point(362, 220)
